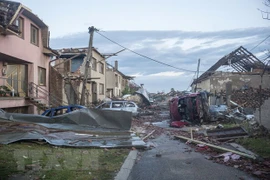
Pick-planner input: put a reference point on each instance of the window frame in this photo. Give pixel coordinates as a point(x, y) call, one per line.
point(101, 89)
point(101, 68)
point(41, 70)
point(20, 23)
point(33, 27)
point(94, 64)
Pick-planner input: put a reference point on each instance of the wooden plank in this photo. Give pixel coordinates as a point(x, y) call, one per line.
point(217, 147)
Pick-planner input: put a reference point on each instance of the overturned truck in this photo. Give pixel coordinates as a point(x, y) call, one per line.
point(189, 109)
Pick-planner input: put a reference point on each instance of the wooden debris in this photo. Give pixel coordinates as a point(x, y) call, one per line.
point(148, 135)
point(217, 147)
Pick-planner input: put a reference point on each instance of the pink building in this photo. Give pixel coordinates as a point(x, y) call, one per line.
point(24, 58)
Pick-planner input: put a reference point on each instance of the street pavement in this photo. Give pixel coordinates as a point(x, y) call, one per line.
point(176, 163)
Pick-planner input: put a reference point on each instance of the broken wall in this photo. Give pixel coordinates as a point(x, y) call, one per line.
point(217, 82)
point(265, 114)
point(203, 85)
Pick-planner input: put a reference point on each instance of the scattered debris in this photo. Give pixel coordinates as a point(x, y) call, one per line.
point(158, 155)
point(228, 133)
point(148, 135)
point(81, 128)
point(201, 147)
point(216, 147)
point(178, 124)
point(242, 149)
point(228, 155)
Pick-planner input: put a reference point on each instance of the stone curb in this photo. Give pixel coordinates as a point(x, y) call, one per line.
point(126, 168)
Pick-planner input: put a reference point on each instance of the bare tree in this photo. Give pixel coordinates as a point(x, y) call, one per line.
point(266, 14)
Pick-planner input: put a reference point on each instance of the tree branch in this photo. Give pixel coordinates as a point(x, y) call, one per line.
point(265, 15)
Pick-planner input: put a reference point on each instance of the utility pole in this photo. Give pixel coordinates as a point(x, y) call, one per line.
point(198, 68)
point(87, 64)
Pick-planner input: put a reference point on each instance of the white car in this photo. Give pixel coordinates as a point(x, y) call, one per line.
point(120, 106)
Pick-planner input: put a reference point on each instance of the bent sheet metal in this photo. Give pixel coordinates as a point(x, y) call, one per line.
point(81, 128)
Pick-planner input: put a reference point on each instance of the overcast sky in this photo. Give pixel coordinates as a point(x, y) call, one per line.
point(202, 29)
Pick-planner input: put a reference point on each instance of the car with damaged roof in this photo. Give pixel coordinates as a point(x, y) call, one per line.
point(120, 106)
point(55, 111)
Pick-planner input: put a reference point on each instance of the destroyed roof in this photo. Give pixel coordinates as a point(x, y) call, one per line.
point(241, 60)
point(73, 51)
point(9, 12)
point(123, 75)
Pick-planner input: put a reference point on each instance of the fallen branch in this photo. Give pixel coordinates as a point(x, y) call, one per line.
point(148, 135)
point(217, 147)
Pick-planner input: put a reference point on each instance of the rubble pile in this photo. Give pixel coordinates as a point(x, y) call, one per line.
point(250, 97)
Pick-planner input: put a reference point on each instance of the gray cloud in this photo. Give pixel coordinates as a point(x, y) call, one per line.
point(178, 48)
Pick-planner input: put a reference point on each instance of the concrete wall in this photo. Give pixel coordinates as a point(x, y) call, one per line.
point(97, 74)
point(218, 81)
point(110, 79)
point(265, 114)
point(204, 85)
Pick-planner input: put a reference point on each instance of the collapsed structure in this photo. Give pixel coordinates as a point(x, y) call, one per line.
point(248, 76)
point(103, 80)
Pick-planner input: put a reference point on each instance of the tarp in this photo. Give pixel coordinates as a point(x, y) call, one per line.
point(81, 128)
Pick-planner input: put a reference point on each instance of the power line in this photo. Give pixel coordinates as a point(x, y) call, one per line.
point(144, 56)
point(181, 69)
point(260, 43)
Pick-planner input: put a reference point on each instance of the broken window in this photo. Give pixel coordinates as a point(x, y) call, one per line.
point(41, 76)
point(94, 64)
point(106, 105)
point(101, 89)
point(101, 68)
point(117, 104)
point(130, 104)
point(34, 35)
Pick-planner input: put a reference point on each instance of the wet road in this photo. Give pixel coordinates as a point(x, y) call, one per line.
point(175, 163)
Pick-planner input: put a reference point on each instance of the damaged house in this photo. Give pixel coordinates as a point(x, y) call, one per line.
point(24, 59)
point(116, 81)
point(247, 82)
point(68, 71)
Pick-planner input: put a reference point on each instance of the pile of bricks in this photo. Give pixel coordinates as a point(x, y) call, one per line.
point(250, 97)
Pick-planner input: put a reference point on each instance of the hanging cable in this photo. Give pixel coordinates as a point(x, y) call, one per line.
point(259, 43)
point(144, 56)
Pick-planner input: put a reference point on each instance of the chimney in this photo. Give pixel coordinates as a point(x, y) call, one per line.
point(116, 65)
